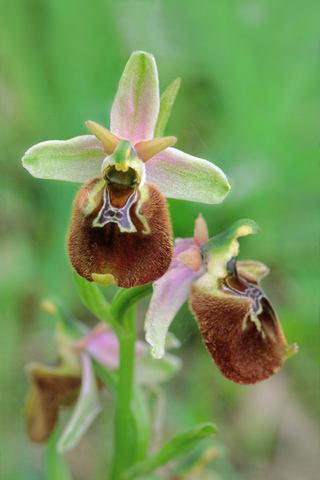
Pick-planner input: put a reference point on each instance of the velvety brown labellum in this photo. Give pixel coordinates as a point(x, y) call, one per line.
point(246, 349)
point(133, 258)
point(49, 392)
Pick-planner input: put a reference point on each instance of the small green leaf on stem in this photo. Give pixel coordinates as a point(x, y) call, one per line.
point(94, 299)
point(179, 445)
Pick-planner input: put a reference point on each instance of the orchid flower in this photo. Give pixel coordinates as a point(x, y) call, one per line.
point(239, 325)
point(72, 380)
point(120, 230)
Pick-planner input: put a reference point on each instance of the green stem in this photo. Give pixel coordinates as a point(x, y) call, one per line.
point(123, 311)
point(54, 463)
point(125, 299)
point(124, 435)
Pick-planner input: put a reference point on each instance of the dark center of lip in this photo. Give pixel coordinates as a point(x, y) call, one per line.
point(243, 287)
point(128, 179)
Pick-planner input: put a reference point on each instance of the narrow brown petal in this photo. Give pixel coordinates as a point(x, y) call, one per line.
point(246, 349)
point(133, 258)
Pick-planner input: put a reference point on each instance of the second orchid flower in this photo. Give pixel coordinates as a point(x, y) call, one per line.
point(240, 328)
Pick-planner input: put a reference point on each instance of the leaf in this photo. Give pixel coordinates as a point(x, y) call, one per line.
point(86, 410)
point(93, 299)
point(166, 103)
point(179, 445)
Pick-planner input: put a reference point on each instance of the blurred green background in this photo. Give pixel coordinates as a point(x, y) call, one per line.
point(249, 101)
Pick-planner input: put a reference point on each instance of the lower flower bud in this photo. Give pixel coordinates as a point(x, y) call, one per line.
point(52, 388)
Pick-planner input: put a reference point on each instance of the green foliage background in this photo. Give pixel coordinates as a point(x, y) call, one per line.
point(249, 101)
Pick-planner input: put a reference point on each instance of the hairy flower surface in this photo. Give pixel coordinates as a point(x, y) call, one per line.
point(239, 325)
point(120, 230)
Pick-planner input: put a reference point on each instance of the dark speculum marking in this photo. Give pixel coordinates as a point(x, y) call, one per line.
point(118, 177)
point(119, 215)
point(243, 288)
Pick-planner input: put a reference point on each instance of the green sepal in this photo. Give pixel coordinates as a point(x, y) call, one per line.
point(76, 160)
point(185, 177)
point(225, 239)
point(166, 103)
point(179, 445)
point(220, 249)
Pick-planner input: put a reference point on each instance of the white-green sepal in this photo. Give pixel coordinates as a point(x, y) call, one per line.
point(182, 176)
point(76, 160)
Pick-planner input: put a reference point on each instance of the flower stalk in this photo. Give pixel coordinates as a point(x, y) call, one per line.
point(124, 431)
point(123, 310)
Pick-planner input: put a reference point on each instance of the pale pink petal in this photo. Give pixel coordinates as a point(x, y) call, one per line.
point(135, 108)
point(104, 348)
point(179, 175)
point(86, 409)
point(169, 294)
